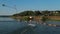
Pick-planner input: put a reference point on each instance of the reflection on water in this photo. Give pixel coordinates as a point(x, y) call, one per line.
point(6, 19)
point(11, 26)
point(54, 22)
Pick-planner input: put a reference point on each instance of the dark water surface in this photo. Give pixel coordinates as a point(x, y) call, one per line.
point(11, 26)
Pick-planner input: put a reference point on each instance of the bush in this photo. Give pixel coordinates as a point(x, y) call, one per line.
point(44, 18)
point(25, 18)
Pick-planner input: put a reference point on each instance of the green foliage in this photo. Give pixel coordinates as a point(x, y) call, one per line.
point(38, 13)
point(25, 18)
point(44, 18)
point(27, 13)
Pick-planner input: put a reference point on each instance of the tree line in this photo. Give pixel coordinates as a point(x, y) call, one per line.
point(38, 13)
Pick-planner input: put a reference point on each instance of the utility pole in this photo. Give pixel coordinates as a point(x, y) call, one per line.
point(12, 8)
point(4, 5)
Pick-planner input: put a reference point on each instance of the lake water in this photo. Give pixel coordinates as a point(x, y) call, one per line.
point(11, 26)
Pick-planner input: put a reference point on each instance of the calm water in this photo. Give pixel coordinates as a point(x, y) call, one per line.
point(11, 26)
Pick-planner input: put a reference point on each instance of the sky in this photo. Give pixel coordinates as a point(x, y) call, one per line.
point(16, 6)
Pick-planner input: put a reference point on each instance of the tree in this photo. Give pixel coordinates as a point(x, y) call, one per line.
point(26, 13)
point(46, 13)
point(44, 18)
point(37, 13)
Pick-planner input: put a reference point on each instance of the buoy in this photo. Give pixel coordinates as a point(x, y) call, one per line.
point(30, 16)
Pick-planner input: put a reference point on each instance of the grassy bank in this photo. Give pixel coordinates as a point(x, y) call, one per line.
point(54, 18)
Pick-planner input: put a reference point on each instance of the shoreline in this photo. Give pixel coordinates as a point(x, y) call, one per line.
point(37, 18)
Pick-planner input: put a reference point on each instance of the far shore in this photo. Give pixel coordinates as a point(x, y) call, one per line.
point(56, 18)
